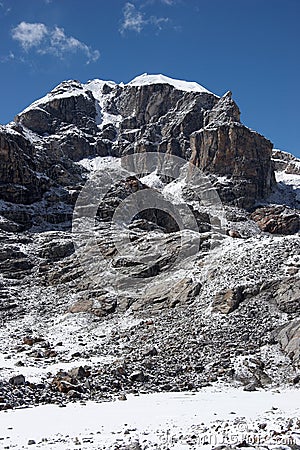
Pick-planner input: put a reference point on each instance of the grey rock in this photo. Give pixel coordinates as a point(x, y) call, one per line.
point(17, 380)
point(289, 339)
point(227, 301)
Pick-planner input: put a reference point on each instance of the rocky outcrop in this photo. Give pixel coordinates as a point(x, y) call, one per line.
point(289, 339)
point(49, 114)
point(285, 162)
point(287, 296)
point(232, 151)
point(169, 295)
point(277, 219)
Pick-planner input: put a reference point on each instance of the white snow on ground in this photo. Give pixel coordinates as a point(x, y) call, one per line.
point(173, 191)
point(156, 418)
point(100, 163)
point(181, 85)
point(288, 178)
point(35, 374)
point(103, 117)
point(153, 181)
point(287, 190)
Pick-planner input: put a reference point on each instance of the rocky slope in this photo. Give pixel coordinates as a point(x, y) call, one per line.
point(151, 304)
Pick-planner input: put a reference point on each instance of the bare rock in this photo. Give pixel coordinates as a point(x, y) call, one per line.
point(17, 380)
point(241, 155)
point(169, 295)
point(227, 301)
point(289, 339)
point(287, 295)
point(277, 219)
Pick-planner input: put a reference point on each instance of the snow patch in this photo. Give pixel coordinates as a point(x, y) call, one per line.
point(155, 418)
point(181, 85)
point(100, 163)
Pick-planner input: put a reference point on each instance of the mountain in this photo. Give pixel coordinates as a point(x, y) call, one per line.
point(149, 242)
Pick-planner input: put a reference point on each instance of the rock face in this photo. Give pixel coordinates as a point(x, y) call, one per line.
point(40, 150)
point(238, 154)
point(19, 181)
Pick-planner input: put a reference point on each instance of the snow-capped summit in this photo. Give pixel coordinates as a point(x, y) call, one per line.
point(181, 85)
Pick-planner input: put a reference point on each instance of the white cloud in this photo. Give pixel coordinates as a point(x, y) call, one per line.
point(135, 20)
point(29, 34)
point(159, 22)
point(7, 58)
point(53, 41)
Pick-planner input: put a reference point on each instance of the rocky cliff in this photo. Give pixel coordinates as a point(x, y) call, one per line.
point(41, 148)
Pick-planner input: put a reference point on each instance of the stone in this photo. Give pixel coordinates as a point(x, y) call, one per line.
point(226, 302)
point(287, 295)
point(234, 234)
point(17, 380)
point(169, 294)
point(277, 219)
point(95, 303)
point(137, 375)
point(289, 338)
point(79, 373)
point(151, 352)
point(251, 387)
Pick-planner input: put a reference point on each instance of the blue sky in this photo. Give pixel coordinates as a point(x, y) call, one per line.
point(251, 47)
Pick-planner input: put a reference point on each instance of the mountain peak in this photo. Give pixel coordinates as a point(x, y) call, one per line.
point(181, 85)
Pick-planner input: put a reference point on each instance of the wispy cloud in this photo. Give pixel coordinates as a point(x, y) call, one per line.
point(7, 58)
point(135, 20)
point(4, 8)
point(52, 41)
point(168, 2)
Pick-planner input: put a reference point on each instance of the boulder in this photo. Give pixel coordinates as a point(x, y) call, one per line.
point(289, 338)
point(287, 296)
point(277, 219)
point(227, 301)
point(169, 294)
point(17, 380)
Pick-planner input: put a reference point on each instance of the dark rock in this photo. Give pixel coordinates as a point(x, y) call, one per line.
point(287, 295)
point(17, 380)
point(251, 387)
point(79, 373)
point(138, 375)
